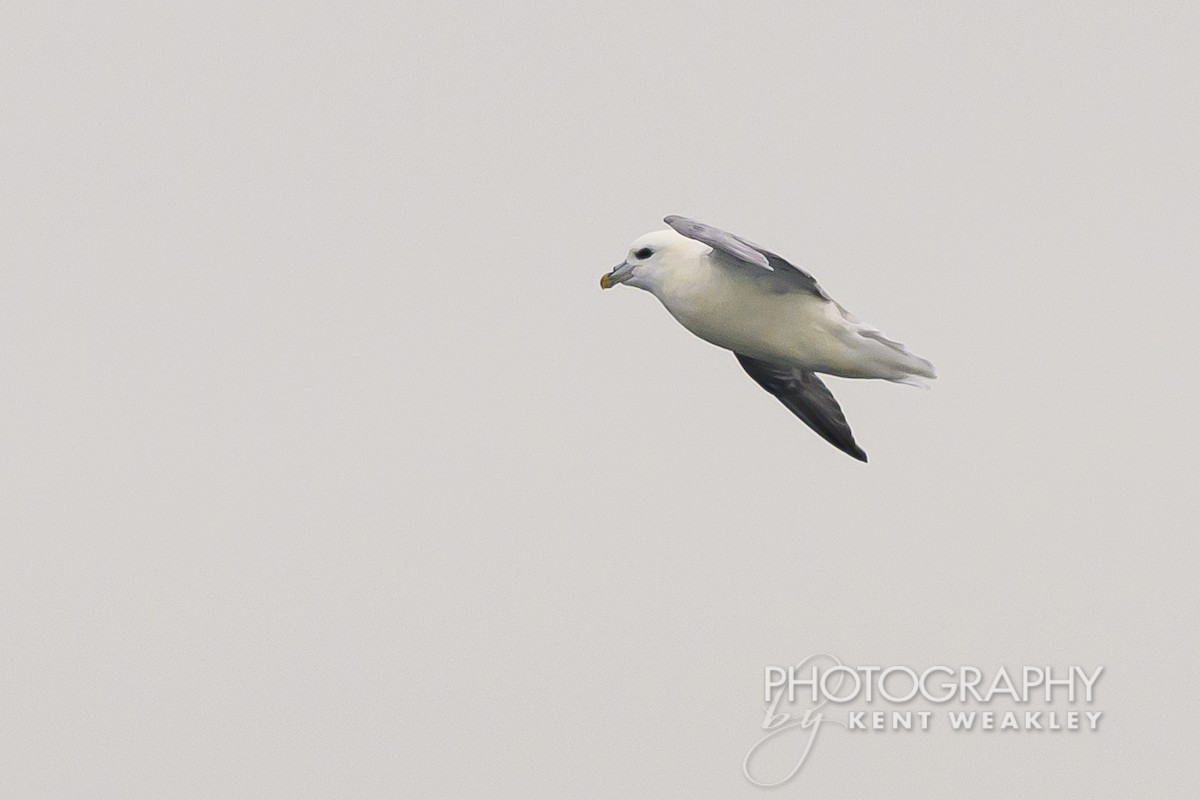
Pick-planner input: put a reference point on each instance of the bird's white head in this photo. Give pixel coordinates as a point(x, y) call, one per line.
point(651, 257)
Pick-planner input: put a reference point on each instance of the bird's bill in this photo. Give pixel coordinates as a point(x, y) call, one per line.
point(619, 274)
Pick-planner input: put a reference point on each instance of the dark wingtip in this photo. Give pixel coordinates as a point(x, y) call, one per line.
point(803, 393)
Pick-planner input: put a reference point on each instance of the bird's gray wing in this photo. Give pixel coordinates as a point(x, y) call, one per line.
point(808, 398)
point(746, 252)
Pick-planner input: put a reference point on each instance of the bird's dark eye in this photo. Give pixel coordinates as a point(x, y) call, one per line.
point(645, 252)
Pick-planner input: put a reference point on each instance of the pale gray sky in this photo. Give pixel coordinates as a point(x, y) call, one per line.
point(328, 470)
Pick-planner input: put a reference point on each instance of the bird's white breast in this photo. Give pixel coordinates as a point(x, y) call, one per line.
point(731, 309)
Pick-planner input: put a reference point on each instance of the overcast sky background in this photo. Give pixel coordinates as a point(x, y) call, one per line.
point(329, 471)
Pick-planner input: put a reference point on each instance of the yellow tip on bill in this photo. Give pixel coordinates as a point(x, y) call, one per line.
point(605, 283)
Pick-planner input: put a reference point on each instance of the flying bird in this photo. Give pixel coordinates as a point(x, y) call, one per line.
point(782, 327)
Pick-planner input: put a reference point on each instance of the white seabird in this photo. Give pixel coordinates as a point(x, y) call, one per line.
point(772, 315)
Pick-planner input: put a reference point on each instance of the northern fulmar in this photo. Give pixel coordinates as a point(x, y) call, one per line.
point(782, 327)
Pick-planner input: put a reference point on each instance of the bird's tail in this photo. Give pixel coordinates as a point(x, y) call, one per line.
point(896, 363)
